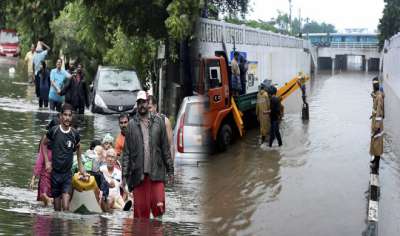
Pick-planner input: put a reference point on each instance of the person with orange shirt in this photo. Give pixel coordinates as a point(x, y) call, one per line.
point(120, 140)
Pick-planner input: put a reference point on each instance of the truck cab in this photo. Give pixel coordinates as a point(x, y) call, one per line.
point(220, 117)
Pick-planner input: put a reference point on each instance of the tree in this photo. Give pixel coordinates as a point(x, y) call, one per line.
point(315, 27)
point(231, 8)
point(389, 24)
point(32, 18)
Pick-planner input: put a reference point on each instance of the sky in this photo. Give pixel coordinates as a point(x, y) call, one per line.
point(341, 13)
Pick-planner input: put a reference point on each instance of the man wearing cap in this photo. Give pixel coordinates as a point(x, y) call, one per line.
point(146, 160)
point(378, 114)
point(263, 110)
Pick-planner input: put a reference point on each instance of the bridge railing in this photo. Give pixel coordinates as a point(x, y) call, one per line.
point(357, 45)
point(213, 31)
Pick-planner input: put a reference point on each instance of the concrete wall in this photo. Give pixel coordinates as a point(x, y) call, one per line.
point(391, 83)
point(278, 57)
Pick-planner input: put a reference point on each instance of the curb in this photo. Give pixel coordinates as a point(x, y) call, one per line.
point(373, 198)
point(373, 204)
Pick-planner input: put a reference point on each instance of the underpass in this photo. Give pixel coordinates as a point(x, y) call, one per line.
point(317, 183)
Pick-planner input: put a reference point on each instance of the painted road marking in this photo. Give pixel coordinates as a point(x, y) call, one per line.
point(373, 211)
point(374, 180)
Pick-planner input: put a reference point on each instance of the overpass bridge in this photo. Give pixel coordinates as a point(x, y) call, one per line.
point(333, 50)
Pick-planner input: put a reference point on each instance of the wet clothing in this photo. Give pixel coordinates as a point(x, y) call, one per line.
point(275, 133)
point(376, 146)
point(63, 145)
point(119, 144)
point(148, 195)
point(262, 112)
point(42, 82)
point(29, 62)
point(276, 108)
point(116, 176)
point(44, 185)
point(161, 162)
point(76, 93)
point(60, 183)
point(275, 116)
point(38, 57)
point(58, 76)
point(55, 106)
point(144, 126)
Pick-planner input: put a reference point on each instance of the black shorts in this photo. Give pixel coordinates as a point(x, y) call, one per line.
point(60, 183)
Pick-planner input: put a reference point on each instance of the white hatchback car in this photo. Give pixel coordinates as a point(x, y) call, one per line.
point(191, 137)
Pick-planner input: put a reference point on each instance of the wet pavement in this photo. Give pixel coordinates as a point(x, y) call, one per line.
point(317, 183)
point(21, 126)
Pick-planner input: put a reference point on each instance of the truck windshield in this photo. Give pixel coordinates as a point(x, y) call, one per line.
point(8, 37)
point(111, 80)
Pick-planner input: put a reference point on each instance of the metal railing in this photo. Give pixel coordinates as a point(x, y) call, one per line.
point(355, 45)
point(213, 31)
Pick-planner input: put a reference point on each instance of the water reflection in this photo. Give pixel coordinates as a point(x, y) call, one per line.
point(21, 126)
point(237, 183)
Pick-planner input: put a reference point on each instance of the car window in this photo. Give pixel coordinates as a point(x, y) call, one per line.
point(118, 80)
point(8, 37)
point(194, 114)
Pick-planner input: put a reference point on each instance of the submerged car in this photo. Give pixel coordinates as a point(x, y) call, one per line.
point(192, 140)
point(114, 90)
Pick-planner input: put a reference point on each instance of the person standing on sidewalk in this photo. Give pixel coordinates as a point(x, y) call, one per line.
point(378, 114)
point(57, 77)
point(275, 116)
point(146, 160)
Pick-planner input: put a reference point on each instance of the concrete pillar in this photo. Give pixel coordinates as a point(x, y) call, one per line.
point(366, 64)
point(333, 65)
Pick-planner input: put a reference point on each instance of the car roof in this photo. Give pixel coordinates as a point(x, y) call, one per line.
point(194, 99)
point(114, 68)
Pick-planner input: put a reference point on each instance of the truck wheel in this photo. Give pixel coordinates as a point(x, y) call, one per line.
point(224, 137)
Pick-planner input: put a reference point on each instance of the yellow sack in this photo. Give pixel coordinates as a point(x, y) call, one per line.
point(82, 185)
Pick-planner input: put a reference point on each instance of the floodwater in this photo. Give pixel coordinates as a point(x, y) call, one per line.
point(317, 182)
point(21, 126)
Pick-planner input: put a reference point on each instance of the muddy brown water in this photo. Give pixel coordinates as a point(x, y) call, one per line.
point(21, 126)
point(317, 183)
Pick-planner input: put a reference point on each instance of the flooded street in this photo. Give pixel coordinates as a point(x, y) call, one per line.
point(22, 125)
point(317, 183)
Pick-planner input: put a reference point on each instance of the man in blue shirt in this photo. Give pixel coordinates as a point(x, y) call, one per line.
point(57, 77)
point(39, 56)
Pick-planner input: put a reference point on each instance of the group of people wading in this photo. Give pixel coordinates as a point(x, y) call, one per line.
point(142, 160)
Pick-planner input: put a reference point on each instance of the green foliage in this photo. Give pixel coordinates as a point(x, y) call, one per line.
point(315, 27)
point(31, 19)
point(257, 24)
point(389, 24)
point(231, 8)
point(182, 15)
point(133, 53)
